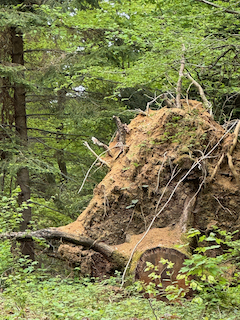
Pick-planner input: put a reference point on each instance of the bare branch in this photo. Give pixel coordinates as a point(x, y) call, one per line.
point(149, 103)
point(44, 50)
point(179, 83)
point(96, 155)
point(101, 144)
point(201, 92)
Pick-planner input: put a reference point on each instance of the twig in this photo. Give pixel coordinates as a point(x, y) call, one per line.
point(149, 103)
point(144, 219)
point(188, 92)
point(106, 203)
point(153, 311)
point(93, 164)
point(173, 175)
point(97, 156)
point(85, 178)
point(179, 83)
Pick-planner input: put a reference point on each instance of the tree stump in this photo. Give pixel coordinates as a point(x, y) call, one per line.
point(168, 276)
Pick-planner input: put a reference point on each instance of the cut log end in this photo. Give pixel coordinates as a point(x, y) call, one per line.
point(168, 276)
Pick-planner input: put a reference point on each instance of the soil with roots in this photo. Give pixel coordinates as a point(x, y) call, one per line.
point(166, 171)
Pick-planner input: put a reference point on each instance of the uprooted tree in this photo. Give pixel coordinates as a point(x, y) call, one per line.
point(174, 169)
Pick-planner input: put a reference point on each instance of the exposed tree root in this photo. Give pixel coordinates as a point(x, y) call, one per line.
point(236, 132)
point(216, 168)
point(229, 156)
point(231, 166)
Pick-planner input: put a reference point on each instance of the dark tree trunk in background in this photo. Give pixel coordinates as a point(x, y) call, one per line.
point(62, 99)
point(21, 128)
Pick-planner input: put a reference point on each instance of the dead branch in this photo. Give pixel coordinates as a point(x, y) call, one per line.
point(201, 92)
point(101, 144)
point(231, 166)
point(179, 83)
point(121, 134)
point(236, 133)
point(97, 156)
point(55, 234)
point(149, 103)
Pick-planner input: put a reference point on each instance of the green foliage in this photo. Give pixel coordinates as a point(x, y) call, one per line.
point(11, 212)
point(212, 274)
point(171, 292)
point(34, 295)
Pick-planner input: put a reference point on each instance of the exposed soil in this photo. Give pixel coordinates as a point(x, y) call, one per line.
point(162, 147)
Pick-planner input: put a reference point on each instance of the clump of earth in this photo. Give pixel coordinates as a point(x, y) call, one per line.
point(174, 173)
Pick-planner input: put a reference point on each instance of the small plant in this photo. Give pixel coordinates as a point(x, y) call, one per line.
point(155, 288)
point(136, 164)
point(210, 272)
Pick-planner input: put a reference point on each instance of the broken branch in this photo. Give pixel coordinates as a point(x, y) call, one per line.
point(97, 156)
point(101, 144)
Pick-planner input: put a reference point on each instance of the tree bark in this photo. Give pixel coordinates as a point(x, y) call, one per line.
point(21, 128)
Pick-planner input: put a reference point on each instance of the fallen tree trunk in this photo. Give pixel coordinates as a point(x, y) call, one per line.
point(55, 234)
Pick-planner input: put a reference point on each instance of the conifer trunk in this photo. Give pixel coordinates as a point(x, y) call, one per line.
point(21, 129)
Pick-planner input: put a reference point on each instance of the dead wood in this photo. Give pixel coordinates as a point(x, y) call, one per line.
point(166, 276)
point(55, 234)
point(201, 92)
point(101, 144)
point(97, 156)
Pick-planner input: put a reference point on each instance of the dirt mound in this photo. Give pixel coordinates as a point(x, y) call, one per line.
point(170, 171)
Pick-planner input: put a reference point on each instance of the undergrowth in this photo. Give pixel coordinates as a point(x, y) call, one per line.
point(30, 292)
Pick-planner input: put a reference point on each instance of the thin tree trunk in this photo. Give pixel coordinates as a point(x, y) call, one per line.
point(21, 128)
